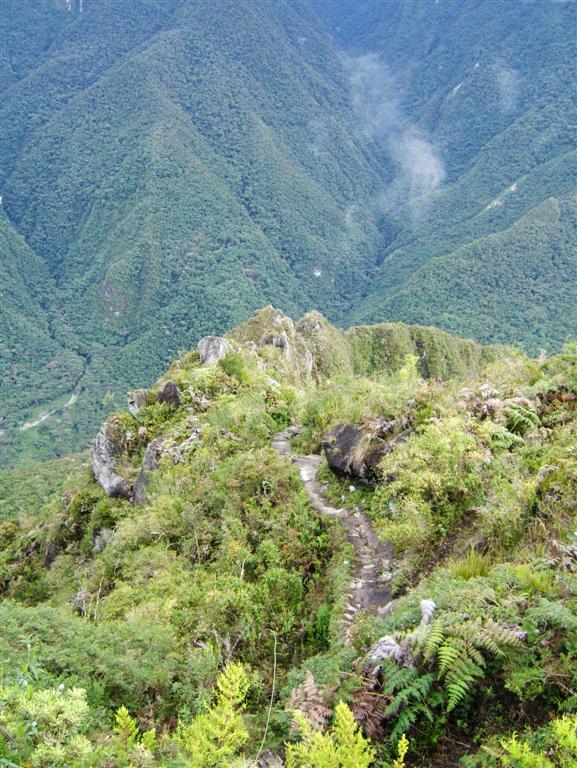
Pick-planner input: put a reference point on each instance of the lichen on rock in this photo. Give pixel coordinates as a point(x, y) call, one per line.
point(107, 448)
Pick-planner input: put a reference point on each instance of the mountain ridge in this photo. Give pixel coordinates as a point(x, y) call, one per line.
point(211, 546)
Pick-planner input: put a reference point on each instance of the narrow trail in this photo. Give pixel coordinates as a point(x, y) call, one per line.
point(367, 592)
point(72, 400)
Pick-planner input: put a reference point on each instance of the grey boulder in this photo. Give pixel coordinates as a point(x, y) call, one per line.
point(212, 349)
point(137, 400)
point(104, 454)
point(149, 464)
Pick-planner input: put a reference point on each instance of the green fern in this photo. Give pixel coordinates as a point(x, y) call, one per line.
point(412, 697)
point(449, 654)
point(460, 657)
point(434, 640)
point(455, 648)
point(520, 419)
point(547, 613)
point(488, 636)
point(504, 440)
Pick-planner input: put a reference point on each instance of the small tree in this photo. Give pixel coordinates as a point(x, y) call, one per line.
point(216, 737)
point(343, 747)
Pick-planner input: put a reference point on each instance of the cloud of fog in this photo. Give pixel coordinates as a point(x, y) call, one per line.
point(419, 169)
point(508, 85)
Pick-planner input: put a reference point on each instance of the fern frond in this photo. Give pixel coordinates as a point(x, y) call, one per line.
point(552, 614)
point(436, 636)
point(449, 653)
point(398, 678)
point(400, 700)
point(457, 691)
point(404, 721)
point(520, 419)
point(490, 636)
point(415, 689)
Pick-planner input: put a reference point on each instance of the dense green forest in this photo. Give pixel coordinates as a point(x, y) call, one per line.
point(200, 614)
point(489, 89)
point(167, 168)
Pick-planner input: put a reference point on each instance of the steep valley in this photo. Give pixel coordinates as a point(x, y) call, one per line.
point(169, 168)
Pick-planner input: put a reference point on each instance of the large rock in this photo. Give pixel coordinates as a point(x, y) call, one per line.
point(212, 349)
point(105, 452)
point(351, 454)
point(137, 400)
point(169, 394)
point(339, 445)
point(149, 464)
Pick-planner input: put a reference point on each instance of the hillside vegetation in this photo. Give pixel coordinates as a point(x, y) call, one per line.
point(481, 132)
point(165, 172)
point(167, 168)
point(190, 619)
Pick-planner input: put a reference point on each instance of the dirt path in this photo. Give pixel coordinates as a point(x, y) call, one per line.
point(367, 591)
point(72, 400)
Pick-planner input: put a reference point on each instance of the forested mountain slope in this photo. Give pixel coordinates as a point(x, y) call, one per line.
point(172, 167)
point(184, 603)
point(480, 98)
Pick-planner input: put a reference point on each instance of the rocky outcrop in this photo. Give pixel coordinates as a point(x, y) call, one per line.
point(137, 400)
point(149, 464)
point(169, 394)
point(212, 349)
point(357, 455)
point(106, 450)
point(271, 328)
point(327, 352)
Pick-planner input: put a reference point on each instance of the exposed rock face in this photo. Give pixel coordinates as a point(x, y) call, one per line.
point(309, 362)
point(387, 647)
point(281, 341)
point(104, 454)
point(101, 539)
point(137, 400)
point(488, 391)
point(384, 428)
point(199, 402)
point(349, 457)
point(270, 759)
point(149, 463)
point(212, 349)
point(169, 394)
point(338, 445)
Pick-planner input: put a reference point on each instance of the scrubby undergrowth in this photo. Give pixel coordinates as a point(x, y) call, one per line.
point(189, 629)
